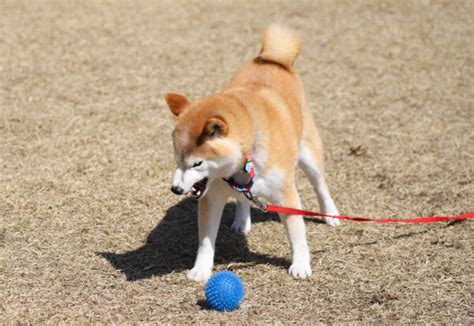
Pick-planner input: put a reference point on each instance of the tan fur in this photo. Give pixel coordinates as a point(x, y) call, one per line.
point(191, 130)
point(176, 103)
point(280, 45)
point(263, 110)
point(277, 91)
point(262, 93)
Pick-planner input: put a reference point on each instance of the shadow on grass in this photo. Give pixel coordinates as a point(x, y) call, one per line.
point(172, 245)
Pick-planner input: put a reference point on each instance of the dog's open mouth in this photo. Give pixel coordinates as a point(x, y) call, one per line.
point(199, 188)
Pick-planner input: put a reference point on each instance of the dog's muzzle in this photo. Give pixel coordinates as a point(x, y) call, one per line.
point(198, 190)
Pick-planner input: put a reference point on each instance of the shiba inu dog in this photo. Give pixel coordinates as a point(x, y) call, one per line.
point(260, 120)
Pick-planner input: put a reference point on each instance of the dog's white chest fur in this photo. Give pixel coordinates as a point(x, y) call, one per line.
point(267, 186)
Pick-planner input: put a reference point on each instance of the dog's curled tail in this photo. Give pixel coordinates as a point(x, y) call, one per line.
point(280, 45)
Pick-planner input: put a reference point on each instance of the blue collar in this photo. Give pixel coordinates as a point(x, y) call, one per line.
point(248, 169)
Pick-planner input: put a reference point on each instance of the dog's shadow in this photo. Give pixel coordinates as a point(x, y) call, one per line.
point(172, 245)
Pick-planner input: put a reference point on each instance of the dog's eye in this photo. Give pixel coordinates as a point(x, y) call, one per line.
point(197, 164)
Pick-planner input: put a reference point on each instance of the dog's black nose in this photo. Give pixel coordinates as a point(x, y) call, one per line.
point(177, 190)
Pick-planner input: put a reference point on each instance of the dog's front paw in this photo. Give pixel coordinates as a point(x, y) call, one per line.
point(199, 274)
point(332, 221)
point(241, 225)
point(300, 270)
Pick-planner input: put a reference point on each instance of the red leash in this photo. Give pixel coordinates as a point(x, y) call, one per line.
point(428, 219)
point(245, 189)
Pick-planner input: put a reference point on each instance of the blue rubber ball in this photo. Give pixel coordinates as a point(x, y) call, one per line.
point(224, 291)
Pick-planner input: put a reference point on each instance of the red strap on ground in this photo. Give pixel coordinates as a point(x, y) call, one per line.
point(427, 219)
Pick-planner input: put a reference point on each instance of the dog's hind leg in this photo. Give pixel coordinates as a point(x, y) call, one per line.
point(311, 162)
point(242, 220)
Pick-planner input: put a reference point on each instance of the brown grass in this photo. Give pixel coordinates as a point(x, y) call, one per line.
point(90, 232)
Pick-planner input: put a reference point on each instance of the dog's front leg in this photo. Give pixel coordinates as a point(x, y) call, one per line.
point(295, 228)
point(209, 218)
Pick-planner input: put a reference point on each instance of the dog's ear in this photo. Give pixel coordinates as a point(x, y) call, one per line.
point(177, 103)
point(215, 127)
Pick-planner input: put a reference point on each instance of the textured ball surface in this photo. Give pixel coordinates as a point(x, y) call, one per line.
point(224, 291)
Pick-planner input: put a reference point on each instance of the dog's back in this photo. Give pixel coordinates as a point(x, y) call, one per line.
point(272, 91)
point(273, 68)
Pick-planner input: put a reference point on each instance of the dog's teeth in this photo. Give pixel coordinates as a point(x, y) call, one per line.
point(199, 188)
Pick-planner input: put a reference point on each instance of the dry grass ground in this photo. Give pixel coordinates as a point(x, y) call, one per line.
point(90, 232)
